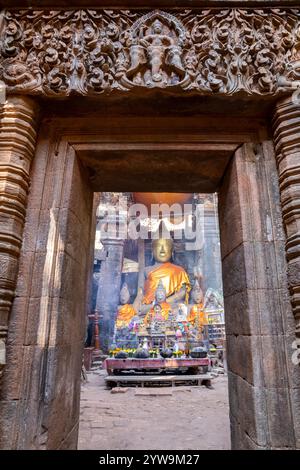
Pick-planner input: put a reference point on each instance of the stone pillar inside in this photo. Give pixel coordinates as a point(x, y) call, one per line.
point(112, 238)
point(109, 288)
point(258, 314)
point(41, 384)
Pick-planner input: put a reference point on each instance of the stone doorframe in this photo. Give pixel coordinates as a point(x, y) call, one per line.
point(39, 386)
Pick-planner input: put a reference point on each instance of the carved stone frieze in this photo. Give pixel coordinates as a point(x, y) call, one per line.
point(217, 51)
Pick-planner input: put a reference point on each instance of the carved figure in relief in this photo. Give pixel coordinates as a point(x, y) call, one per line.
point(158, 49)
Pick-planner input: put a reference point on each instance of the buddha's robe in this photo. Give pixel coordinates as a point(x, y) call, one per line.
point(197, 315)
point(164, 312)
point(173, 278)
point(125, 314)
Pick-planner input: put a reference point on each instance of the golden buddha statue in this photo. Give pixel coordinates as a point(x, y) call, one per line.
point(126, 311)
point(174, 278)
point(197, 315)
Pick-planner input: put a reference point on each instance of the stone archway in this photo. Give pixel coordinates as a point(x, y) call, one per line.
point(41, 377)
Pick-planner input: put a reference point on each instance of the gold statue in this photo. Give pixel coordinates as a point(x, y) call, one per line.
point(197, 315)
point(125, 311)
point(173, 278)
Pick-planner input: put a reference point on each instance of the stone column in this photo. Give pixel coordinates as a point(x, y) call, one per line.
point(112, 238)
point(287, 145)
point(263, 410)
point(18, 122)
point(109, 289)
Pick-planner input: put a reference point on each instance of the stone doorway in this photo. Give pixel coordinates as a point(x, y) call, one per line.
point(86, 153)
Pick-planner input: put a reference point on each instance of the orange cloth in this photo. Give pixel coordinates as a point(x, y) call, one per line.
point(164, 312)
point(197, 312)
point(125, 314)
point(173, 277)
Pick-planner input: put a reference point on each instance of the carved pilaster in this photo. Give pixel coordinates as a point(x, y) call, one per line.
point(17, 145)
point(287, 144)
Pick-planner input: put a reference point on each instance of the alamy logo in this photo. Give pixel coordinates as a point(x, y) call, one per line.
point(137, 222)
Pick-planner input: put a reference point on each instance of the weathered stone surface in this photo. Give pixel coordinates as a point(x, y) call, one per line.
point(242, 357)
point(246, 200)
point(282, 434)
point(48, 317)
point(293, 273)
point(47, 323)
point(96, 51)
point(248, 408)
point(70, 442)
point(295, 404)
point(240, 437)
point(253, 312)
point(17, 138)
point(257, 304)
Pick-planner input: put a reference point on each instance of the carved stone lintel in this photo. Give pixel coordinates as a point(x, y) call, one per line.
point(220, 51)
point(287, 144)
point(17, 145)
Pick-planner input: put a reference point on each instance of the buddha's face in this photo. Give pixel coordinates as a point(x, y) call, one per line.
point(124, 295)
point(160, 295)
point(197, 296)
point(162, 250)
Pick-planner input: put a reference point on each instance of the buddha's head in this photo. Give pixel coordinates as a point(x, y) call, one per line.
point(162, 249)
point(197, 294)
point(124, 294)
point(160, 293)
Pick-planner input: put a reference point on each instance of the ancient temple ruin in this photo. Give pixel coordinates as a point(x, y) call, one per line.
point(198, 99)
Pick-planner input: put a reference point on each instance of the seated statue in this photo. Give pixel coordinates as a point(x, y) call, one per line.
point(174, 278)
point(126, 311)
point(161, 309)
point(197, 315)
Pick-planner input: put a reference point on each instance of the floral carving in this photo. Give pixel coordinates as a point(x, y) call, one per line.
point(228, 51)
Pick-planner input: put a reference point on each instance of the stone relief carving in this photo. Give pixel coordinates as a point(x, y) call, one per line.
point(155, 44)
point(228, 51)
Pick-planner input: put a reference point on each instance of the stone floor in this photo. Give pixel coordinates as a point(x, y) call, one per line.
point(191, 418)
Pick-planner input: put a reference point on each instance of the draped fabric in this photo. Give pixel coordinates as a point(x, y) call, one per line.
point(198, 315)
point(124, 315)
point(173, 278)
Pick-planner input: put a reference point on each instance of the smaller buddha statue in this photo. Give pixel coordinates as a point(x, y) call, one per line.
point(126, 312)
point(161, 308)
point(197, 315)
